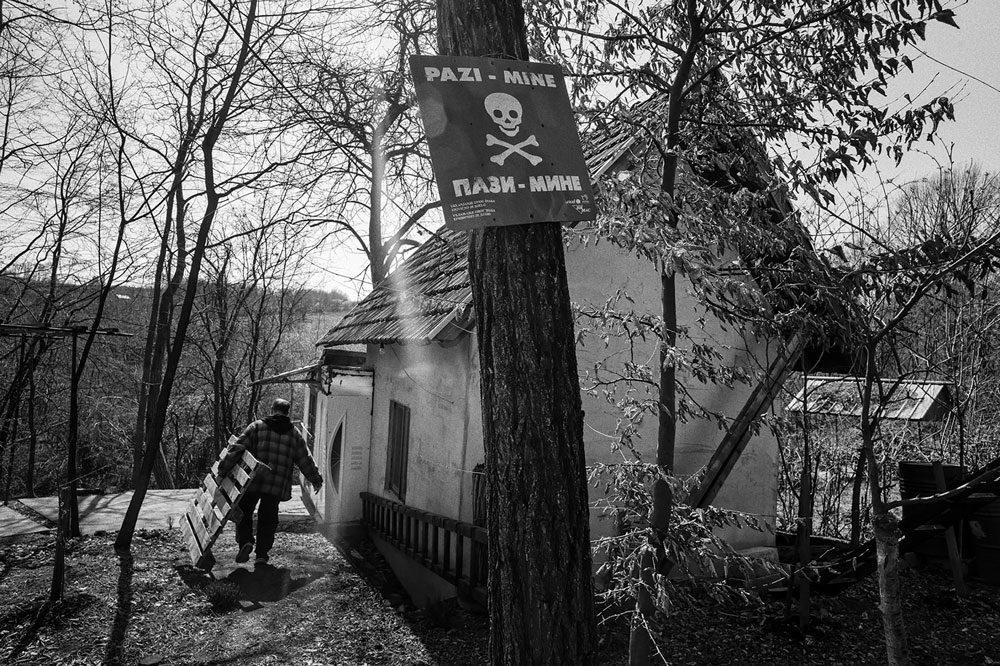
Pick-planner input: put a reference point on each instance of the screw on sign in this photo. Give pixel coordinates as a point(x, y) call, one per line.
point(506, 112)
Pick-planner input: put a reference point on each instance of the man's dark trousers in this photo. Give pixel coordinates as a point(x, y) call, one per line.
point(267, 521)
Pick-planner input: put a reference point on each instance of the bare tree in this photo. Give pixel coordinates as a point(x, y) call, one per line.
point(208, 58)
point(349, 95)
point(251, 297)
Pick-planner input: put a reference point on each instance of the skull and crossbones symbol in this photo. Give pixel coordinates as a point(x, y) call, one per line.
point(506, 112)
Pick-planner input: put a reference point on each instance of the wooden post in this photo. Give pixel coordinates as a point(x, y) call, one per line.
point(62, 529)
point(954, 557)
point(805, 507)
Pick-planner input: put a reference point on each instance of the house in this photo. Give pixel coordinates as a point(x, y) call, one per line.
point(406, 425)
point(399, 434)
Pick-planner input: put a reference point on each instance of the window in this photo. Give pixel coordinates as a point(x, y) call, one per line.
point(311, 417)
point(399, 449)
point(336, 455)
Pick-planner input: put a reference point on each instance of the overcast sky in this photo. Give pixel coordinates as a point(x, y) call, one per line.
point(963, 64)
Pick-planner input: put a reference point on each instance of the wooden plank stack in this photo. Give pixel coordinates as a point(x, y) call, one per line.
point(215, 503)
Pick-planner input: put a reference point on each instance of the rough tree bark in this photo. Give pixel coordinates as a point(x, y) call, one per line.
point(859, 480)
point(890, 588)
point(540, 578)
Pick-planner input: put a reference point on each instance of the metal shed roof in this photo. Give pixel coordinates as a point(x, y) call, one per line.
point(910, 401)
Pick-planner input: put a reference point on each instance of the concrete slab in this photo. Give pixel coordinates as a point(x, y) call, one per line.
point(160, 509)
point(13, 523)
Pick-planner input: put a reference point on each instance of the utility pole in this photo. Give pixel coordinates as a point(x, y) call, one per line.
point(540, 571)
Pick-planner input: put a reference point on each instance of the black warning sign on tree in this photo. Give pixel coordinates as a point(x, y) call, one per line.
point(503, 141)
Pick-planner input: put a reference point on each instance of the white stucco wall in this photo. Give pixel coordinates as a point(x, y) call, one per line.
point(476, 452)
point(440, 385)
point(347, 404)
point(436, 383)
point(599, 271)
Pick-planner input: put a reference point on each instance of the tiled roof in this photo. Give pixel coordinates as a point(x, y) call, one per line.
point(429, 291)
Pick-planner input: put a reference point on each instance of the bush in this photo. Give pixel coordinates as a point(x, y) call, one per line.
point(704, 564)
point(224, 595)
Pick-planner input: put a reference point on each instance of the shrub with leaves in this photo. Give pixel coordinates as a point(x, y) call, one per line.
point(704, 564)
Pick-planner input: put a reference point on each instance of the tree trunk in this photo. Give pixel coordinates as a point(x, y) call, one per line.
point(886, 527)
point(652, 560)
point(161, 469)
point(890, 590)
point(376, 249)
point(157, 423)
point(218, 386)
point(859, 480)
point(28, 359)
point(71, 445)
point(12, 450)
point(152, 352)
point(8, 429)
point(29, 478)
point(541, 590)
point(540, 579)
point(804, 527)
point(28, 362)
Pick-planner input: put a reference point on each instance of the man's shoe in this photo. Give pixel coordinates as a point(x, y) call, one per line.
point(244, 554)
point(261, 559)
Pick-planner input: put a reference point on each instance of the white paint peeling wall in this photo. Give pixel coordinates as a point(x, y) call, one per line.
point(348, 404)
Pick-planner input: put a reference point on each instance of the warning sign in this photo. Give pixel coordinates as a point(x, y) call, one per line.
point(503, 141)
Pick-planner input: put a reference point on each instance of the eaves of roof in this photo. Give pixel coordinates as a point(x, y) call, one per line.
point(427, 298)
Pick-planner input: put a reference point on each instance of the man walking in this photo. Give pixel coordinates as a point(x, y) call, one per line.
point(276, 443)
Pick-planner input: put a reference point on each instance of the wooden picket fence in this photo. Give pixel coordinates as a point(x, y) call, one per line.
point(454, 550)
point(214, 504)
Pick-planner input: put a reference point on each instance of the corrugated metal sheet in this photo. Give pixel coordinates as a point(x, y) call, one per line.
point(606, 143)
point(281, 376)
point(911, 400)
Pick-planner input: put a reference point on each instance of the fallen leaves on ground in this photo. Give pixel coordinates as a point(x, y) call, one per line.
point(308, 606)
point(317, 604)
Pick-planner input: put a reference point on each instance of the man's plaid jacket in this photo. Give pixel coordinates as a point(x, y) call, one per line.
point(276, 443)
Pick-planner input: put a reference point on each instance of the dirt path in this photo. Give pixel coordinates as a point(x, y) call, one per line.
point(103, 513)
point(310, 606)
